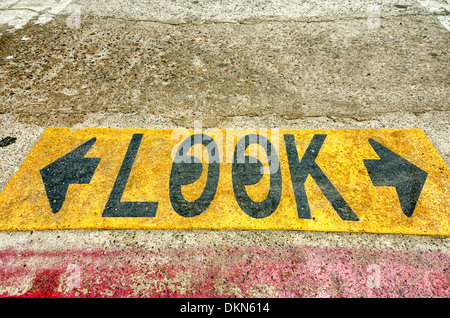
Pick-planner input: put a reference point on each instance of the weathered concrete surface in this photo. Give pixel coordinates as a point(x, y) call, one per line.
point(255, 11)
point(221, 264)
point(216, 11)
point(276, 64)
point(215, 72)
point(225, 272)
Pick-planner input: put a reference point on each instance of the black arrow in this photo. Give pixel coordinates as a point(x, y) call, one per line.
point(71, 168)
point(391, 170)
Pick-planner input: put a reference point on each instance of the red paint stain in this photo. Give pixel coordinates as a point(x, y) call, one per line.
point(44, 285)
point(226, 272)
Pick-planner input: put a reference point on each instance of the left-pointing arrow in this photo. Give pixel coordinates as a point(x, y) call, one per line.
point(69, 169)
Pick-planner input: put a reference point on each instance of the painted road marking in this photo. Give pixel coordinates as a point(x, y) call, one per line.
point(16, 14)
point(440, 9)
point(351, 180)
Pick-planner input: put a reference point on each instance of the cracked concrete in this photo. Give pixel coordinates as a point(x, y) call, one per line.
point(214, 72)
point(234, 11)
point(220, 11)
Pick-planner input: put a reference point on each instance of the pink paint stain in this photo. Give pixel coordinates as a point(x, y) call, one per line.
point(226, 272)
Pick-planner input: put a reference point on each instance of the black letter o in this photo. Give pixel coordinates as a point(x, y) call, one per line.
point(188, 169)
point(246, 170)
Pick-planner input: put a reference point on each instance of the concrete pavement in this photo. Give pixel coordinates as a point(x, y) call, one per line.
point(243, 64)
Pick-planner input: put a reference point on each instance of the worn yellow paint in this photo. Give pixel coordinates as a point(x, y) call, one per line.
point(24, 204)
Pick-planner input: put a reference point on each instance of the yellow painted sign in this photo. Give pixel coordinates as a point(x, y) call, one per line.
point(350, 180)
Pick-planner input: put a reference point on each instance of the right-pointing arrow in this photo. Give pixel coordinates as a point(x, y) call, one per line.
point(391, 170)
